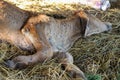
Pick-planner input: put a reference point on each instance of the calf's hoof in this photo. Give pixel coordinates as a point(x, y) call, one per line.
point(75, 72)
point(16, 63)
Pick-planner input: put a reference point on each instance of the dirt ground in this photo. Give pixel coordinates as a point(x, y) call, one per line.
point(98, 56)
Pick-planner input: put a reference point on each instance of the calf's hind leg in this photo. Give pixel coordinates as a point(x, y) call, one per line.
point(67, 63)
point(21, 62)
point(44, 51)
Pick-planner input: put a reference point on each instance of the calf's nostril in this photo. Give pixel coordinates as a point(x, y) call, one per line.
point(109, 27)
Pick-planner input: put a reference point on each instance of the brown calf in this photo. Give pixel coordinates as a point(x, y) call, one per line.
point(50, 37)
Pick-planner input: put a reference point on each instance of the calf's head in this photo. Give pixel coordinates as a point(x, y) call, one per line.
point(91, 25)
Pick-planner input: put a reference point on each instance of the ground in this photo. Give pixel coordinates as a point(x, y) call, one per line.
point(98, 56)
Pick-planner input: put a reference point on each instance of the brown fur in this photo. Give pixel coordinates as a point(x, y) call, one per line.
point(30, 27)
point(50, 37)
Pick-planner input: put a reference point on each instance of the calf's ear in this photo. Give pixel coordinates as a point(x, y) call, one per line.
point(89, 24)
point(83, 18)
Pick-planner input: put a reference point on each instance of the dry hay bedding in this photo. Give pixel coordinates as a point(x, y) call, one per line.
point(98, 55)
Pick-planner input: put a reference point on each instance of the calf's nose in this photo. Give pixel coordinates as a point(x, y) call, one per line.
point(109, 25)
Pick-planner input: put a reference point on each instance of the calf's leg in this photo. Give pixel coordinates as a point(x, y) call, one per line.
point(44, 51)
point(21, 62)
point(67, 63)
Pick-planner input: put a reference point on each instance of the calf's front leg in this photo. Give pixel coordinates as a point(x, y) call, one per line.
point(67, 63)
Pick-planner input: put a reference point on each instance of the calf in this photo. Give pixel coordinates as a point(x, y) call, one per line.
point(50, 37)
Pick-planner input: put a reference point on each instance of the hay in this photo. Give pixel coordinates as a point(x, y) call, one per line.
point(98, 55)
